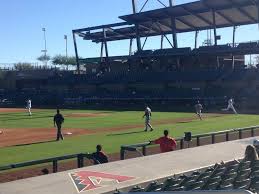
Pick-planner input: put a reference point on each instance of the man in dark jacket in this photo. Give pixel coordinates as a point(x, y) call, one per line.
point(58, 120)
point(99, 156)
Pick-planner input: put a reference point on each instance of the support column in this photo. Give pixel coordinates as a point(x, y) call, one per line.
point(173, 27)
point(105, 45)
point(233, 45)
point(101, 54)
point(171, 3)
point(77, 60)
point(130, 47)
point(234, 36)
point(162, 41)
point(134, 9)
point(174, 32)
point(215, 28)
point(196, 37)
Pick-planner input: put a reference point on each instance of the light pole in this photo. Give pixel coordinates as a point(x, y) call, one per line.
point(45, 43)
point(65, 37)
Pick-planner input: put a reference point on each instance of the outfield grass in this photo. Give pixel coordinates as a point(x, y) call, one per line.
point(111, 141)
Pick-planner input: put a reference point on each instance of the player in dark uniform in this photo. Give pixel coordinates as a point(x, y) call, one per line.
point(198, 108)
point(58, 120)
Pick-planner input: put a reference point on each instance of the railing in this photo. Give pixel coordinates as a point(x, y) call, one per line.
point(81, 156)
point(181, 141)
point(80, 161)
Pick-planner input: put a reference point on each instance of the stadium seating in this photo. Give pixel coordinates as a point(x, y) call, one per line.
point(225, 176)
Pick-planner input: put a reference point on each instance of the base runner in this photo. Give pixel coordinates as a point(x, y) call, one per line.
point(230, 106)
point(147, 116)
point(198, 109)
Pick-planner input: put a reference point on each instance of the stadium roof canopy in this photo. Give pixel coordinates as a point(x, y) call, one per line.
point(195, 16)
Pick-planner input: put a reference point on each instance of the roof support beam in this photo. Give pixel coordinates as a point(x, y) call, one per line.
point(162, 34)
point(186, 23)
point(163, 24)
point(101, 27)
point(118, 33)
point(196, 15)
point(149, 28)
point(242, 11)
point(245, 13)
point(225, 17)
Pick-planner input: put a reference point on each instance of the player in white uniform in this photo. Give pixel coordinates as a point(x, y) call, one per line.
point(147, 116)
point(29, 106)
point(230, 106)
point(198, 108)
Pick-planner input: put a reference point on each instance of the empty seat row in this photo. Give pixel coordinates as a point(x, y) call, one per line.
point(232, 175)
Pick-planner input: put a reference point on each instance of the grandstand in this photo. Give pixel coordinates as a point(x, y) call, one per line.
point(172, 76)
point(208, 72)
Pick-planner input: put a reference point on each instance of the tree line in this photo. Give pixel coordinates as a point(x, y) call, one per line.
point(58, 60)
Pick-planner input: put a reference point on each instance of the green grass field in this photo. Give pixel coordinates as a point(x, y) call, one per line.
point(111, 141)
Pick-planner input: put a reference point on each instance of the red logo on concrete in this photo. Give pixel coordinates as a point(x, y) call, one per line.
point(88, 180)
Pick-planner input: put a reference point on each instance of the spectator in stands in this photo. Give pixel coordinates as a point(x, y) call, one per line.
point(166, 143)
point(256, 145)
point(99, 156)
point(250, 153)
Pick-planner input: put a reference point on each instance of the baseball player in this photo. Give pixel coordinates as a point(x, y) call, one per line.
point(230, 106)
point(58, 121)
point(147, 116)
point(198, 108)
point(28, 107)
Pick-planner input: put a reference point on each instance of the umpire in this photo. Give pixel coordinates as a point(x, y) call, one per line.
point(58, 120)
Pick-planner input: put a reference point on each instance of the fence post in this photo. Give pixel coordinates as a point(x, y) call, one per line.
point(122, 153)
point(240, 134)
point(144, 151)
point(227, 136)
point(198, 141)
point(213, 138)
point(80, 160)
point(181, 143)
point(55, 166)
point(252, 132)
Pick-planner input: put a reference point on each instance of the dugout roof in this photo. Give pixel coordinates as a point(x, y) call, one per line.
point(188, 17)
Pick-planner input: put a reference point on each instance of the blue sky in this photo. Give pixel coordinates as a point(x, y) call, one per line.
point(21, 36)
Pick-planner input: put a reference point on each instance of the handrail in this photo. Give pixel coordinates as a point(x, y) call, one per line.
point(80, 161)
point(134, 147)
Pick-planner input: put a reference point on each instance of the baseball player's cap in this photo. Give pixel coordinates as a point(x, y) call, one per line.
point(256, 142)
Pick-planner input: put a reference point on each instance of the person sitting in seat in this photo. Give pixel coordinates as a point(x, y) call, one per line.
point(256, 145)
point(99, 156)
point(250, 153)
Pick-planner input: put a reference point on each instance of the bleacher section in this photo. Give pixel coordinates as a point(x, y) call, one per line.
point(232, 175)
point(205, 73)
point(66, 87)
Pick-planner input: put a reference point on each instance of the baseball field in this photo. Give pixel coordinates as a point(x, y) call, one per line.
point(25, 138)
